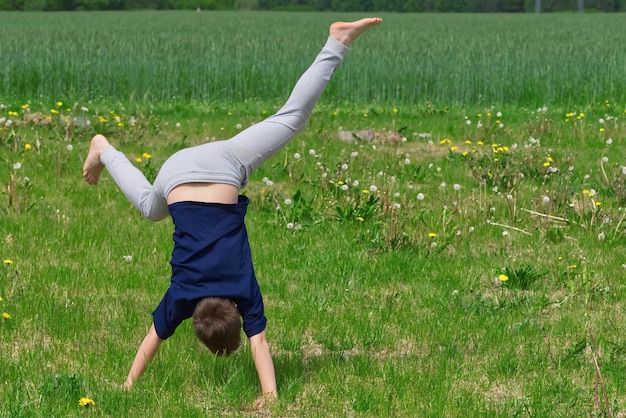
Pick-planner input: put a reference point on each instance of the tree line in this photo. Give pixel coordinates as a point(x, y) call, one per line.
point(401, 6)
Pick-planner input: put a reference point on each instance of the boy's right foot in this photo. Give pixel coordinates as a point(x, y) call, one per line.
point(92, 166)
point(346, 32)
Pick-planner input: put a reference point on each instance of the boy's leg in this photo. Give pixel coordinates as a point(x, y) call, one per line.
point(131, 180)
point(259, 142)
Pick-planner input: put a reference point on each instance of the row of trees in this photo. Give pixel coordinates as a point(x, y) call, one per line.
point(403, 6)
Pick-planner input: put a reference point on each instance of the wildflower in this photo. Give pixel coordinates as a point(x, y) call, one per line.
point(13, 113)
point(146, 155)
point(290, 225)
point(468, 142)
point(7, 261)
point(297, 156)
point(586, 192)
point(432, 235)
point(453, 148)
point(86, 402)
point(373, 188)
point(69, 147)
point(288, 202)
point(609, 141)
point(572, 267)
point(503, 277)
point(1, 299)
point(420, 196)
point(54, 111)
point(84, 109)
point(5, 315)
point(354, 154)
point(546, 200)
point(457, 187)
point(344, 166)
point(605, 159)
point(312, 152)
point(360, 219)
point(445, 141)
point(178, 124)
point(407, 161)
point(505, 234)
point(499, 114)
point(443, 184)
point(601, 236)
point(471, 229)
point(355, 183)
point(468, 122)
point(344, 187)
point(28, 146)
point(138, 159)
point(238, 126)
point(601, 130)
point(396, 206)
point(365, 191)
point(17, 166)
point(624, 170)
point(25, 106)
point(598, 204)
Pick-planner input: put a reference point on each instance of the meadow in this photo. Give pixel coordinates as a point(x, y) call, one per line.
point(445, 238)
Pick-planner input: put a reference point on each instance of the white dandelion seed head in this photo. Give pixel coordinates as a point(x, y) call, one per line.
point(404, 139)
point(407, 161)
point(479, 125)
point(397, 206)
point(355, 183)
point(84, 109)
point(433, 244)
point(288, 202)
point(127, 258)
point(2, 120)
point(468, 122)
point(509, 197)
point(605, 159)
point(344, 166)
point(344, 187)
point(505, 233)
point(600, 120)
point(570, 168)
point(278, 208)
point(265, 179)
point(545, 200)
point(290, 225)
point(420, 196)
point(380, 174)
point(499, 114)
point(501, 125)
point(373, 188)
point(443, 184)
point(430, 142)
point(438, 169)
point(178, 124)
point(456, 187)
point(269, 183)
point(69, 147)
point(396, 194)
point(494, 189)
point(354, 154)
point(609, 141)
point(492, 209)
point(624, 170)
point(458, 233)
point(8, 123)
point(238, 126)
point(471, 229)
point(586, 176)
point(297, 156)
point(601, 236)
point(592, 192)
point(324, 175)
point(312, 152)
point(17, 166)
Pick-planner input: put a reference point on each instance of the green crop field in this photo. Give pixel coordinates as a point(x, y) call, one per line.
point(446, 238)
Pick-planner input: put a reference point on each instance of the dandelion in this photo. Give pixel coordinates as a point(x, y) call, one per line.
point(69, 147)
point(288, 202)
point(86, 402)
point(432, 235)
point(84, 109)
point(312, 152)
point(297, 156)
point(624, 170)
point(7, 261)
point(138, 159)
point(355, 183)
point(290, 225)
point(354, 154)
point(468, 122)
point(601, 130)
point(238, 126)
point(344, 187)
point(146, 155)
point(545, 200)
point(373, 188)
point(609, 141)
point(344, 167)
point(443, 184)
point(420, 196)
point(1, 299)
point(605, 159)
point(499, 114)
point(127, 258)
point(471, 229)
point(360, 219)
point(456, 187)
point(445, 141)
point(17, 166)
point(6, 315)
point(396, 206)
point(598, 204)
point(505, 234)
point(572, 266)
point(407, 161)
point(503, 277)
point(28, 146)
point(453, 148)
point(601, 236)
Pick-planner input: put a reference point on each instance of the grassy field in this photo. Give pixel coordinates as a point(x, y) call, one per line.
point(464, 256)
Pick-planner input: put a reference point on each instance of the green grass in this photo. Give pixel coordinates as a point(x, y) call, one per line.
point(388, 304)
point(182, 57)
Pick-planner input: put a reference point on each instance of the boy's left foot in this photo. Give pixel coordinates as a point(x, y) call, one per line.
point(93, 167)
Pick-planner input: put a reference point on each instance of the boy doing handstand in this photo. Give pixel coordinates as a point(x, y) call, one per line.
point(213, 280)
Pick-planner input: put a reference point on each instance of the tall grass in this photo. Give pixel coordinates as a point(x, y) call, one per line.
point(163, 57)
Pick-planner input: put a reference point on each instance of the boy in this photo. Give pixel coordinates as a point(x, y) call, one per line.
point(213, 279)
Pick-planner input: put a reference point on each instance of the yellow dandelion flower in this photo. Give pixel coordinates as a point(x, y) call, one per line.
point(468, 142)
point(503, 277)
point(25, 106)
point(601, 130)
point(480, 143)
point(365, 115)
point(581, 115)
point(340, 182)
point(138, 159)
point(1, 299)
point(86, 402)
point(28, 146)
point(12, 113)
point(230, 113)
point(546, 164)
point(598, 204)
point(479, 115)
point(465, 153)
point(54, 111)
point(432, 235)
point(453, 148)
point(569, 115)
point(335, 113)
point(360, 219)
point(572, 266)
point(505, 149)
point(120, 124)
point(395, 110)
point(59, 104)
point(365, 191)
point(586, 192)
point(5, 315)
point(445, 141)
point(146, 155)
point(7, 261)
point(550, 159)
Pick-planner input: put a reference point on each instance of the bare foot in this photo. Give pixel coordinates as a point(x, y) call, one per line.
point(346, 32)
point(93, 167)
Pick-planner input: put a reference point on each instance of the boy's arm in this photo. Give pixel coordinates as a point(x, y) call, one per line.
point(146, 352)
point(264, 368)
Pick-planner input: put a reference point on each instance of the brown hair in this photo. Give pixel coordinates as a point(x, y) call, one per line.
point(217, 324)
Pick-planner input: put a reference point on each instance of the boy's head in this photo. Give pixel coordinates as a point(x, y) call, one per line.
point(217, 324)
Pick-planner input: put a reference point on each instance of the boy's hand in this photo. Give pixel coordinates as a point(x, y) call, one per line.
point(264, 401)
